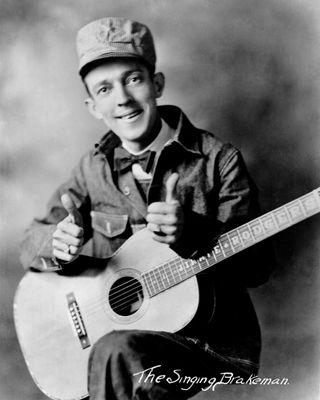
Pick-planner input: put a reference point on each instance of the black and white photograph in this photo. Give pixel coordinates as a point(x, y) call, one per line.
point(160, 199)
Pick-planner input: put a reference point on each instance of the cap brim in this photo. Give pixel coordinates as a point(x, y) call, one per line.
point(86, 65)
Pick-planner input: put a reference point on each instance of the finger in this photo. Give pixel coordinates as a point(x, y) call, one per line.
point(66, 248)
point(71, 208)
point(164, 239)
point(171, 188)
point(70, 228)
point(58, 245)
point(160, 207)
point(67, 239)
point(161, 219)
point(63, 256)
point(169, 230)
point(154, 227)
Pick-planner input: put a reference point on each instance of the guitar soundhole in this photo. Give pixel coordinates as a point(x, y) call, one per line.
point(126, 296)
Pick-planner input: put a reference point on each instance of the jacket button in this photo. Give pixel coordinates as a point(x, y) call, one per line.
point(126, 190)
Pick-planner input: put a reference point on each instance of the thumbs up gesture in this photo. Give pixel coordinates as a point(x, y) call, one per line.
point(67, 241)
point(166, 219)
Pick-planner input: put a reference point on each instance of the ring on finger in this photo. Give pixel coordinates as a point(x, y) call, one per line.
point(157, 228)
point(68, 249)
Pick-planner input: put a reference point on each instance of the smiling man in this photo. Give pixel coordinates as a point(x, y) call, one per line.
point(153, 169)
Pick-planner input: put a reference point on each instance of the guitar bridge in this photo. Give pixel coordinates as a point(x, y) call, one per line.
point(77, 321)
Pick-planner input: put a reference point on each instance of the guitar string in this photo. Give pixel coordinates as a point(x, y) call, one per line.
point(167, 268)
point(158, 278)
point(171, 263)
point(123, 301)
point(154, 270)
point(176, 262)
point(89, 313)
point(137, 283)
point(91, 304)
point(161, 286)
point(121, 298)
point(185, 274)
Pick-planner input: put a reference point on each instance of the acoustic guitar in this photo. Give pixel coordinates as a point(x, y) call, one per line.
point(59, 317)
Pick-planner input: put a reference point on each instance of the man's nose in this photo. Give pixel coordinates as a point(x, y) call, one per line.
point(122, 95)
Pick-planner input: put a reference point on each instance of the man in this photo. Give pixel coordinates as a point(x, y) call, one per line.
point(153, 169)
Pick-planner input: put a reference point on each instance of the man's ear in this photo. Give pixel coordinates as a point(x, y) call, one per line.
point(159, 83)
point(91, 105)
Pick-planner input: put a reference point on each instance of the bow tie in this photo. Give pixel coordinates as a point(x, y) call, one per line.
point(123, 160)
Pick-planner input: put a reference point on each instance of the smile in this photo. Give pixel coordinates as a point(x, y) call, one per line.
point(130, 115)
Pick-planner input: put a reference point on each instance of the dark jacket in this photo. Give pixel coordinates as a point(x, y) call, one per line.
point(217, 194)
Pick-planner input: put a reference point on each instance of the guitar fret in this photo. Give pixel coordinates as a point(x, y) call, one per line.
point(218, 252)
point(188, 268)
point(181, 270)
point(176, 266)
point(232, 248)
point(257, 229)
point(269, 224)
point(169, 272)
point(202, 263)
point(275, 221)
point(196, 266)
point(175, 272)
point(159, 279)
point(295, 209)
point(281, 217)
point(193, 263)
point(288, 215)
point(309, 203)
point(150, 284)
point(211, 258)
point(303, 209)
point(246, 235)
point(154, 281)
point(236, 240)
point(164, 277)
point(225, 245)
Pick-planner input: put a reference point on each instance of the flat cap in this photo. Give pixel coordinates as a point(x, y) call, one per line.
point(114, 37)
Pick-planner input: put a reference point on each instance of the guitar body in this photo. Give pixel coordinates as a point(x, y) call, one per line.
point(143, 286)
point(58, 318)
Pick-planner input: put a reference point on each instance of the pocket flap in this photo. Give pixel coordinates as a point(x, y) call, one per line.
point(110, 225)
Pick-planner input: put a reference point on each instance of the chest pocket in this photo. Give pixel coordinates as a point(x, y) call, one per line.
point(110, 225)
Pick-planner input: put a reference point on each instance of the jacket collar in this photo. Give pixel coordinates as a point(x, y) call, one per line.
point(184, 132)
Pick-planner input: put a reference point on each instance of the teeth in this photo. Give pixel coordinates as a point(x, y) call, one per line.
point(131, 115)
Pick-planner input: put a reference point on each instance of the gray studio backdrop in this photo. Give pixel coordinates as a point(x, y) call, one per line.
point(248, 70)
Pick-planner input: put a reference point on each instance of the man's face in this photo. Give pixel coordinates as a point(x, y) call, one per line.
point(124, 96)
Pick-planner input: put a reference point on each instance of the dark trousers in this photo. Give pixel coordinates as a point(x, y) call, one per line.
point(146, 365)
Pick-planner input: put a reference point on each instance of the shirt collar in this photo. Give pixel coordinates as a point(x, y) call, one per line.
point(176, 120)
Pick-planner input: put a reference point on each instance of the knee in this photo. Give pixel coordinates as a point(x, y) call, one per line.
point(114, 343)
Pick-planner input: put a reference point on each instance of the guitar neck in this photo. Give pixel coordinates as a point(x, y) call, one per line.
point(178, 269)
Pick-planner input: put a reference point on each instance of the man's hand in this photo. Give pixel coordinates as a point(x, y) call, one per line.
point(67, 240)
point(166, 219)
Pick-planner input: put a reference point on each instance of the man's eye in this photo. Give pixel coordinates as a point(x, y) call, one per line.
point(103, 90)
point(133, 79)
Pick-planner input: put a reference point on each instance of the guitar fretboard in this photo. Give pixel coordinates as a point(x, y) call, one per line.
point(179, 269)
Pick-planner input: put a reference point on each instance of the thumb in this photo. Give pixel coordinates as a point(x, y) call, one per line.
point(70, 206)
point(171, 187)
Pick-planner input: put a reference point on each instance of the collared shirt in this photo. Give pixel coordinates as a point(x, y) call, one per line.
point(164, 136)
